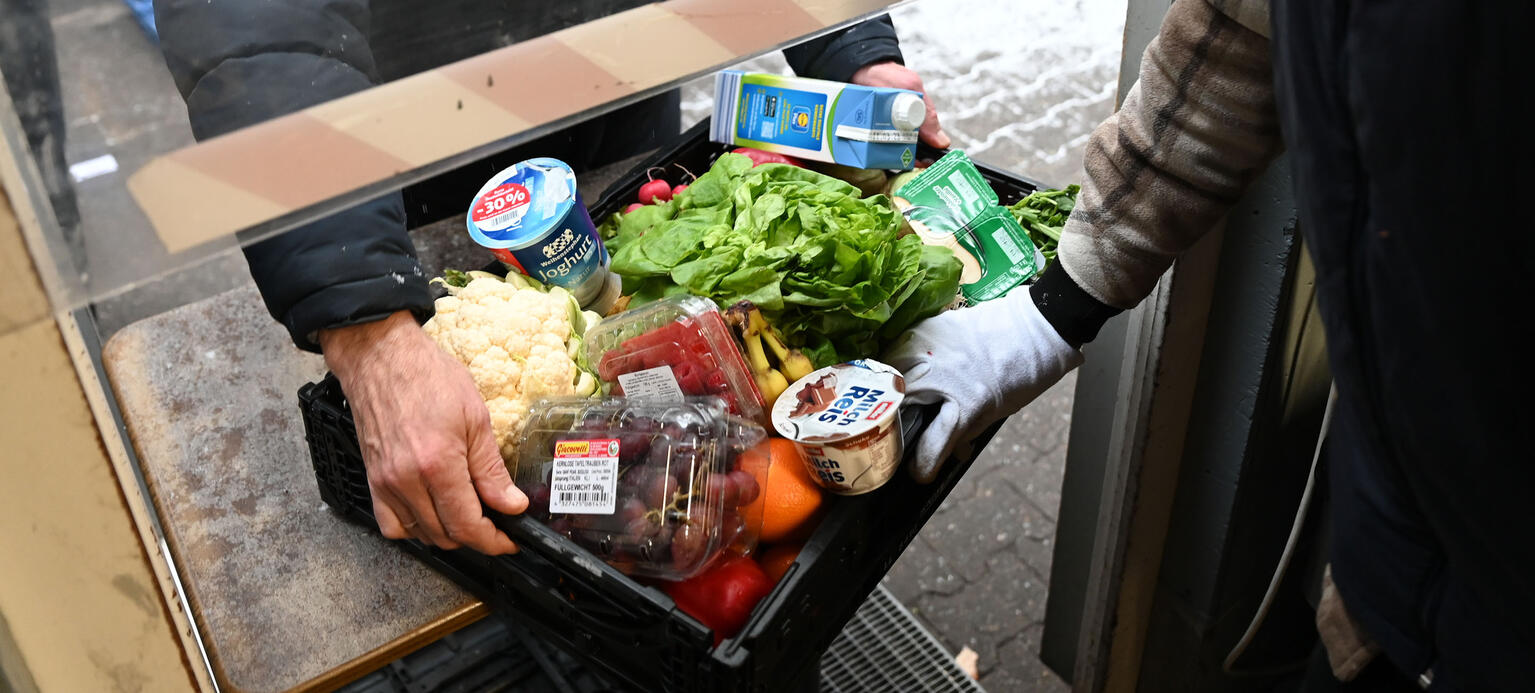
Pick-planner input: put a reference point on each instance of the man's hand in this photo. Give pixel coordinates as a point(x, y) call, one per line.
point(982, 363)
point(894, 74)
point(426, 436)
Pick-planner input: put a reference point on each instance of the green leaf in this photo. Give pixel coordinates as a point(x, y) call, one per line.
point(940, 285)
point(824, 264)
point(1043, 214)
point(631, 262)
point(703, 274)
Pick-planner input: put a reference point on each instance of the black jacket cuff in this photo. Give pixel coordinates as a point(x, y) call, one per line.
point(838, 55)
point(354, 266)
point(355, 303)
point(1074, 313)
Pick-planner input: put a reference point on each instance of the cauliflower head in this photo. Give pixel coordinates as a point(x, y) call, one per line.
point(514, 342)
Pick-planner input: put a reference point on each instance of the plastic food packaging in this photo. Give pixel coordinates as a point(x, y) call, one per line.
point(847, 420)
point(951, 204)
point(531, 217)
point(653, 488)
point(674, 348)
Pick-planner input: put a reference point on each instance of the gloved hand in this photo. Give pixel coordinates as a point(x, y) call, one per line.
point(982, 363)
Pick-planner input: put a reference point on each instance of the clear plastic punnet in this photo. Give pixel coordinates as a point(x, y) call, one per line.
point(675, 347)
point(656, 489)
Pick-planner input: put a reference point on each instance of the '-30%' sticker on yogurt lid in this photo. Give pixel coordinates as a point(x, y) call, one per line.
point(839, 402)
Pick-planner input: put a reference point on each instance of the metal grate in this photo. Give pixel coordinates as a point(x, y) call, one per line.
point(884, 648)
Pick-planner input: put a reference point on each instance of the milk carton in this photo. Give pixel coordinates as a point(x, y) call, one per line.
point(857, 126)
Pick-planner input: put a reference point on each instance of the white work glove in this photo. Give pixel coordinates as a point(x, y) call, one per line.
point(982, 363)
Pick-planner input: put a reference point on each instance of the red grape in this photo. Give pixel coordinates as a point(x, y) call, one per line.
point(689, 546)
point(538, 500)
point(724, 487)
point(660, 453)
point(594, 420)
point(746, 486)
point(632, 508)
point(638, 423)
point(639, 528)
point(660, 490)
point(633, 447)
point(732, 528)
point(657, 548)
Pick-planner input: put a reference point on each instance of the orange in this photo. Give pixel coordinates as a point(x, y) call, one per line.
point(776, 560)
point(789, 503)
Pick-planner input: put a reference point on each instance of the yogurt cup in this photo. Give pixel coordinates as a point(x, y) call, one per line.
point(531, 217)
point(847, 420)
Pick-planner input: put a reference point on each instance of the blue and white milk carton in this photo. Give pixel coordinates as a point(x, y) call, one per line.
point(851, 125)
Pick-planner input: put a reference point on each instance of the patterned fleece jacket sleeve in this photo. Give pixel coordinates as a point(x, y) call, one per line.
point(1198, 126)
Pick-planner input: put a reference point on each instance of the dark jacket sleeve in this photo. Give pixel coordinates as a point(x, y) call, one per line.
point(239, 63)
point(836, 56)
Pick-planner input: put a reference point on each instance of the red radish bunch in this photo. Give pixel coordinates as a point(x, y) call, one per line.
point(657, 190)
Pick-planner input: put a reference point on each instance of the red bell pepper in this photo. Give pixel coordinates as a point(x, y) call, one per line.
point(760, 157)
point(723, 596)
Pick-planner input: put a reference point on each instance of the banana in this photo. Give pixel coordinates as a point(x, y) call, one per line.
point(792, 362)
point(751, 338)
point(754, 330)
point(769, 381)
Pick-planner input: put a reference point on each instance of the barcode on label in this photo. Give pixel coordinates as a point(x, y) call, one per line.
point(585, 484)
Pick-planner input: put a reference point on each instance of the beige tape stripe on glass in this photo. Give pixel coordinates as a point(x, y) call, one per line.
point(554, 81)
point(266, 171)
point(738, 25)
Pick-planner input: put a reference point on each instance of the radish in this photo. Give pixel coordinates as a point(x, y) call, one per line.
point(678, 190)
point(632, 206)
point(656, 190)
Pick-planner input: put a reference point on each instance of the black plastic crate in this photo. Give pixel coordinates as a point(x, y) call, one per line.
point(631, 632)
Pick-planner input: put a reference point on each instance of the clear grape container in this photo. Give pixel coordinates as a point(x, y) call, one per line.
point(655, 489)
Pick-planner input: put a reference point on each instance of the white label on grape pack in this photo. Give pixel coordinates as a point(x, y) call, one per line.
point(652, 383)
point(585, 477)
